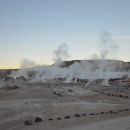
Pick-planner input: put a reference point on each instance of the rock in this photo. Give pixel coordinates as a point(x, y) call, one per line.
point(115, 112)
point(125, 97)
point(70, 90)
point(38, 119)
point(102, 112)
point(27, 122)
point(58, 118)
point(77, 115)
point(110, 111)
point(91, 114)
point(54, 92)
point(66, 117)
point(50, 119)
point(58, 94)
point(84, 114)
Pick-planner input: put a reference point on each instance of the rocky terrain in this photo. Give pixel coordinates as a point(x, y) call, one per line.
point(60, 106)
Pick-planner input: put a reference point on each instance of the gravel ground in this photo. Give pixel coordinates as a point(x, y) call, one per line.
point(63, 101)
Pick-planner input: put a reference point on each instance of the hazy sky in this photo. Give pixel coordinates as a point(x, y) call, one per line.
point(33, 29)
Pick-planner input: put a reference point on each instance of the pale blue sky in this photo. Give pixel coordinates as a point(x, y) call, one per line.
point(34, 28)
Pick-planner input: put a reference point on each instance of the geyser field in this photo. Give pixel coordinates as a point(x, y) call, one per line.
point(70, 95)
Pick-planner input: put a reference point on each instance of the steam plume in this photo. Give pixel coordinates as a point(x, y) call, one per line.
point(61, 53)
point(26, 63)
point(108, 47)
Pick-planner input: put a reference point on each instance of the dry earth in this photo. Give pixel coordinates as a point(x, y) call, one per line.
point(106, 108)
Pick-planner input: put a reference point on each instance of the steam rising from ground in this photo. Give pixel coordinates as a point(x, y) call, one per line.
point(61, 53)
point(92, 70)
point(107, 48)
point(89, 69)
point(26, 63)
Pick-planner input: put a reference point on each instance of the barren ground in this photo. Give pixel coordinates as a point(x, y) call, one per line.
point(103, 111)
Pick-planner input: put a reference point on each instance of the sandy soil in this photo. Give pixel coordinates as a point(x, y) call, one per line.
point(103, 112)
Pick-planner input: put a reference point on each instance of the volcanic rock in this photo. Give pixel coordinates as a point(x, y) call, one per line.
point(38, 119)
point(27, 122)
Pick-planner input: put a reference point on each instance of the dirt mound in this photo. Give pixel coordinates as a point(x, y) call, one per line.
point(9, 81)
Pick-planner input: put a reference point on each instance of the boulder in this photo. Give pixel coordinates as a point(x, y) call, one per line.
point(66, 117)
point(102, 112)
point(27, 122)
point(58, 94)
point(70, 90)
point(91, 114)
point(77, 115)
point(50, 119)
point(84, 114)
point(38, 119)
point(58, 118)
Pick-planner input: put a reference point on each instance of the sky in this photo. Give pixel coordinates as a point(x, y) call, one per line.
point(33, 29)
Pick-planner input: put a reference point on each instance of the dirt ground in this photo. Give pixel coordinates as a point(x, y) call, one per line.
point(98, 107)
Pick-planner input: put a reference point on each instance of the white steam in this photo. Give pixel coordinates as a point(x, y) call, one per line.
point(61, 53)
point(26, 63)
point(99, 68)
point(91, 70)
point(107, 48)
